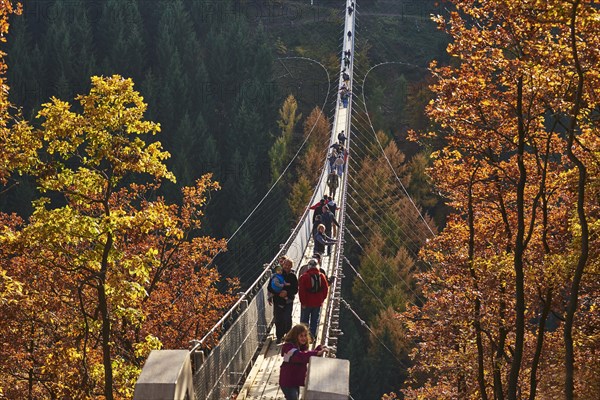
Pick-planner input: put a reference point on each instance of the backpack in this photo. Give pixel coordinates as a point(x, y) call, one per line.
point(315, 283)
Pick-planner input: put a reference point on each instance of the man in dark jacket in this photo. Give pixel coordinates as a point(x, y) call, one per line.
point(341, 136)
point(282, 307)
point(328, 219)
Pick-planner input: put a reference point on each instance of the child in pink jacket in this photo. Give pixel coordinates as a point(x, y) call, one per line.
point(295, 360)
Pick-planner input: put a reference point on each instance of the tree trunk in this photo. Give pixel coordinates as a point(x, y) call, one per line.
point(502, 333)
point(477, 322)
point(539, 345)
point(515, 368)
point(584, 250)
point(103, 307)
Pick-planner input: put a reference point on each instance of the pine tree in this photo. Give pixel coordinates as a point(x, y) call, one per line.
point(121, 40)
point(68, 46)
point(280, 152)
point(80, 32)
point(22, 90)
point(59, 53)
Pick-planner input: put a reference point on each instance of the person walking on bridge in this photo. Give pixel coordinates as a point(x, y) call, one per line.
point(328, 219)
point(283, 301)
point(341, 136)
point(318, 208)
point(346, 78)
point(321, 239)
point(332, 183)
point(312, 289)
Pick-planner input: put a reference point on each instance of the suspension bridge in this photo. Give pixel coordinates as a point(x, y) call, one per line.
point(238, 358)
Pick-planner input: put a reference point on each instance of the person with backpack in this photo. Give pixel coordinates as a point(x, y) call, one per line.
point(283, 302)
point(345, 77)
point(316, 258)
point(313, 289)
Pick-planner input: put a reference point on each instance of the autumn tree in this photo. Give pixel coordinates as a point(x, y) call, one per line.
point(16, 138)
point(516, 116)
point(280, 152)
point(19, 146)
point(316, 133)
point(110, 270)
point(385, 232)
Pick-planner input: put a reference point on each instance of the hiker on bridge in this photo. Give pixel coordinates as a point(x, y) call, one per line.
point(336, 146)
point(342, 138)
point(339, 164)
point(295, 353)
point(315, 260)
point(331, 204)
point(312, 289)
point(346, 62)
point(328, 219)
point(277, 282)
point(331, 160)
point(322, 240)
point(318, 208)
point(344, 95)
point(283, 301)
point(346, 77)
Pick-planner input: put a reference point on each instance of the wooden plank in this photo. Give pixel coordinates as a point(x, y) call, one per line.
point(268, 364)
point(255, 370)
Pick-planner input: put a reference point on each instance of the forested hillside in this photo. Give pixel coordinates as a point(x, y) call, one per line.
point(137, 136)
point(203, 67)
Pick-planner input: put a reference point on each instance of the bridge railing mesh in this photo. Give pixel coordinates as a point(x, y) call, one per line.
point(218, 375)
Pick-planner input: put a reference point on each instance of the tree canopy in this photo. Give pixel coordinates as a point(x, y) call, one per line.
point(510, 293)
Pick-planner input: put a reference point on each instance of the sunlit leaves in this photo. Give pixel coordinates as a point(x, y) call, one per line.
point(104, 271)
point(505, 108)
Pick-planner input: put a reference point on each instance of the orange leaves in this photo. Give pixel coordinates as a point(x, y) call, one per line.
point(506, 109)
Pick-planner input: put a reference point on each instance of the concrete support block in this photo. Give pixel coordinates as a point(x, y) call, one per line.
point(327, 378)
point(167, 375)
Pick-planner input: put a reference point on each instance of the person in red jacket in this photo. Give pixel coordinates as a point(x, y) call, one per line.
point(312, 289)
point(295, 353)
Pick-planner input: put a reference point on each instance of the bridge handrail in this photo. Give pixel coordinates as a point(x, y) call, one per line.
point(332, 310)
